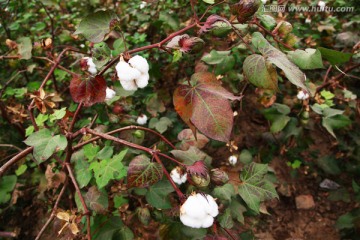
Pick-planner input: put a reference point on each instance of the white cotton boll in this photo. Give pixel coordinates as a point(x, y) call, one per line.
point(142, 119)
point(233, 160)
point(176, 176)
point(143, 4)
point(209, 204)
point(128, 85)
point(109, 93)
point(207, 221)
point(321, 4)
point(91, 65)
point(143, 80)
point(308, 20)
point(263, 1)
point(183, 178)
point(193, 208)
point(190, 222)
point(302, 95)
point(139, 63)
point(125, 72)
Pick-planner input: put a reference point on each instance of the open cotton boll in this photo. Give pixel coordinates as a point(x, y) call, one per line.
point(207, 222)
point(190, 222)
point(142, 119)
point(199, 211)
point(139, 63)
point(232, 160)
point(143, 80)
point(177, 177)
point(125, 72)
point(109, 93)
point(91, 67)
point(128, 85)
point(302, 95)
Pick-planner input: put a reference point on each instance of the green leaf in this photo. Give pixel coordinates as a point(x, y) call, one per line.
point(158, 195)
point(83, 174)
point(111, 228)
point(45, 144)
point(329, 165)
point(176, 56)
point(143, 173)
point(260, 73)
point(105, 153)
point(275, 56)
point(267, 21)
point(237, 211)
point(119, 47)
point(90, 151)
point(225, 66)
point(277, 115)
point(21, 169)
point(41, 118)
point(190, 156)
point(209, 1)
point(215, 57)
point(335, 57)
point(24, 48)
point(308, 59)
point(101, 54)
point(58, 114)
point(224, 192)
point(109, 169)
point(96, 25)
point(255, 187)
point(335, 122)
point(7, 184)
point(225, 219)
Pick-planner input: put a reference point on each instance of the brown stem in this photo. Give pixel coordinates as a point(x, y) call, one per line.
point(86, 210)
point(53, 212)
point(242, 39)
point(14, 160)
point(177, 190)
point(124, 129)
point(59, 66)
point(8, 235)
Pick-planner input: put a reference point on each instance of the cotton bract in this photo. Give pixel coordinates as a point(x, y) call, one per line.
point(198, 211)
point(109, 94)
point(177, 176)
point(134, 74)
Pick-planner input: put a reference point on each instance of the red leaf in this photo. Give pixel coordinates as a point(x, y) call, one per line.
point(143, 173)
point(89, 91)
point(205, 105)
point(198, 168)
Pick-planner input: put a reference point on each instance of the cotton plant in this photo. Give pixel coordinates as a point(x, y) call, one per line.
point(133, 74)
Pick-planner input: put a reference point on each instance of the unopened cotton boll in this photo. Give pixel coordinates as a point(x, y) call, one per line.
point(139, 63)
point(198, 211)
point(233, 160)
point(109, 93)
point(126, 73)
point(142, 119)
point(177, 176)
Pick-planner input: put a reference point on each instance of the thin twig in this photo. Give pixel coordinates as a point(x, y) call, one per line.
point(132, 127)
point(86, 210)
point(11, 146)
point(8, 235)
point(53, 212)
point(14, 160)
